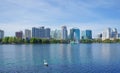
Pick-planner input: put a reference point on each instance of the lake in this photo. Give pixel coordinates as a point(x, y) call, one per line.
point(62, 58)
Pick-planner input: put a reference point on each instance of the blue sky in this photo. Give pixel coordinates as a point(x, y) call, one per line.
point(96, 15)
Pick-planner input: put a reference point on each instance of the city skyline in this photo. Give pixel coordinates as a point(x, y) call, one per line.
point(94, 34)
point(74, 33)
point(96, 15)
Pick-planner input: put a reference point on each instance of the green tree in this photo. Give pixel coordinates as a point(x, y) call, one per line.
point(39, 41)
point(45, 41)
point(33, 40)
point(19, 41)
point(107, 41)
point(26, 41)
point(53, 41)
point(116, 40)
point(97, 40)
point(86, 41)
point(0, 40)
point(64, 41)
point(11, 40)
point(5, 40)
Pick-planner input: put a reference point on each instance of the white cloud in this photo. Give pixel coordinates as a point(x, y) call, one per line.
point(21, 14)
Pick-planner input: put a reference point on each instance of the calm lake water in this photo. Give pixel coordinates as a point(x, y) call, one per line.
point(62, 58)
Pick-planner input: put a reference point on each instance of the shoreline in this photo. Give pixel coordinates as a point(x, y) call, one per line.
point(14, 40)
point(58, 43)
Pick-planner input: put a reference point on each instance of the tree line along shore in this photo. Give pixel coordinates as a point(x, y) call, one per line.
point(14, 40)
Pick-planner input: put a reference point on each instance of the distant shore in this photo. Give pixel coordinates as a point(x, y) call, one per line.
point(14, 40)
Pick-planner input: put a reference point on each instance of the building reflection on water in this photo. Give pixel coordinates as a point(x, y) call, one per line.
point(71, 53)
point(1, 55)
point(86, 53)
point(64, 54)
point(30, 57)
point(40, 53)
point(23, 55)
point(105, 53)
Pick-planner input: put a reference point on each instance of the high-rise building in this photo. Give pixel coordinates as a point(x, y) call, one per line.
point(27, 34)
point(47, 33)
point(52, 34)
point(107, 34)
point(1, 34)
point(35, 32)
point(103, 35)
point(87, 34)
point(99, 36)
point(19, 34)
point(71, 36)
point(114, 34)
point(41, 33)
point(56, 34)
point(110, 34)
point(64, 33)
point(118, 35)
point(75, 34)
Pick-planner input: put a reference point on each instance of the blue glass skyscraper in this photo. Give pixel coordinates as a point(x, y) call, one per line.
point(75, 34)
point(87, 34)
